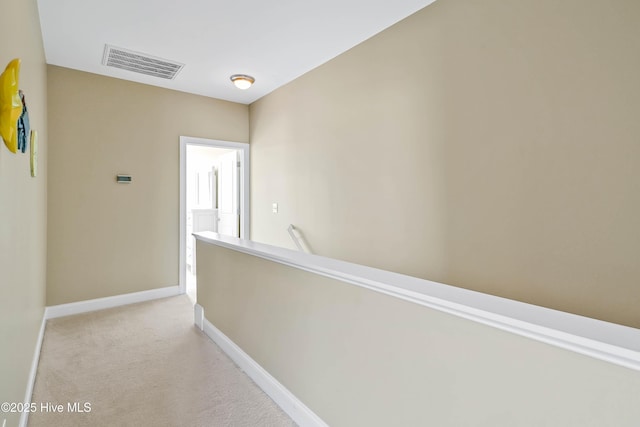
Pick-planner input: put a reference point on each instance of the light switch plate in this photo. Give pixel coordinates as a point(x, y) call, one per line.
point(274, 208)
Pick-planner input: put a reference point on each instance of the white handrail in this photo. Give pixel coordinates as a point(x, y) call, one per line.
point(601, 340)
point(298, 240)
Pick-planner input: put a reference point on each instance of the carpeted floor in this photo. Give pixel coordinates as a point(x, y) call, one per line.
point(143, 365)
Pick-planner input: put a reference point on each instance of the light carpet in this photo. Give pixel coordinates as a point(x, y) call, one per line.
point(144, 365)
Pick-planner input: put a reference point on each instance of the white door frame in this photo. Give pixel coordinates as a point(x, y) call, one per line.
point(243, 148)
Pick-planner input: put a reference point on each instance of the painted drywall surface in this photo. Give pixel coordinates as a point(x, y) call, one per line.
point(360, 358)
point(489, 145)
point(23, 207)
point(106, 238)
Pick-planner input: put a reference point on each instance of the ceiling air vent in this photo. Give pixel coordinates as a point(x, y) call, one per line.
point(140, 63)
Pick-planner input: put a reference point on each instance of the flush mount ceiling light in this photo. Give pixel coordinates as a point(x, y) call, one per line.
point(242, 81)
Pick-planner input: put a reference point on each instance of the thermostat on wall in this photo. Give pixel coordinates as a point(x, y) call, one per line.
point(123, 179)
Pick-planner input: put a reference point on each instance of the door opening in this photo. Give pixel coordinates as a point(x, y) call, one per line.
point(213, 197)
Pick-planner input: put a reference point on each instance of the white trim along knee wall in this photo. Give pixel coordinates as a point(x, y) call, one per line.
point(290, 404)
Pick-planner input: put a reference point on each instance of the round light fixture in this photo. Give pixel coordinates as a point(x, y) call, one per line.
point(242, 81)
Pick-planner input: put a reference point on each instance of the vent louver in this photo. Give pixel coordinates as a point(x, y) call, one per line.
point(140, 62)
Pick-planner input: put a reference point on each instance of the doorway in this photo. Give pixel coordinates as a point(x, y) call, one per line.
point(214, 190)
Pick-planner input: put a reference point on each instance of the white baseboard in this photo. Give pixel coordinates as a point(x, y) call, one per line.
point(290, 404)
point(109, 302)
point(24, 418)
point(198, 316)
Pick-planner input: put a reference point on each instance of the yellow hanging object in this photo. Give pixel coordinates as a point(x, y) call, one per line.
point(10, 105)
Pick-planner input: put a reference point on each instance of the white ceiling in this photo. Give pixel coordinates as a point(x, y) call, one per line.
point(273, 41)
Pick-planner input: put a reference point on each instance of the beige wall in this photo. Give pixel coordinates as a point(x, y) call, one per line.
point(23, 206)
point(360, 358)
point(108, 239)
point(491, 145)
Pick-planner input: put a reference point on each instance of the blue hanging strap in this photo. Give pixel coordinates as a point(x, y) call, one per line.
point(23, 126)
